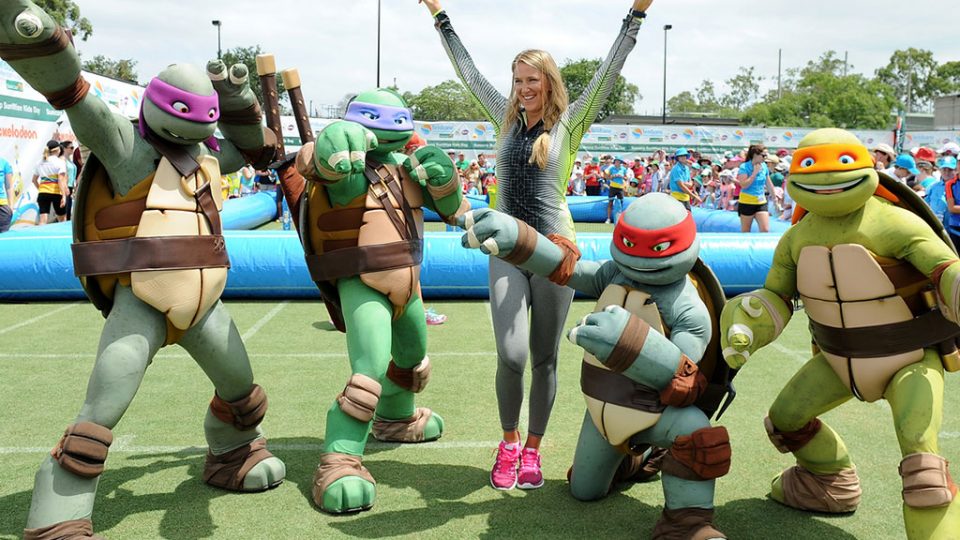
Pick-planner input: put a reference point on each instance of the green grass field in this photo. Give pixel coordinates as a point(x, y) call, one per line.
point(152, 487)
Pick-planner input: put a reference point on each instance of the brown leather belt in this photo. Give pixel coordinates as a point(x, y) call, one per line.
point(612, 387)
point(152, 253)
point(354, 261)
point(156, 252)
point(923, 331)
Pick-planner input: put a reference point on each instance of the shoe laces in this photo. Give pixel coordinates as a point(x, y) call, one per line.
point(529, 458)
point(506, 460)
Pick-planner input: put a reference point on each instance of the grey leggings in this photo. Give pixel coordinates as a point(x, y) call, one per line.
point(512, 292)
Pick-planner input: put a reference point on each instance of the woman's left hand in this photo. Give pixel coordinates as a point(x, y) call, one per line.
point(641, 5)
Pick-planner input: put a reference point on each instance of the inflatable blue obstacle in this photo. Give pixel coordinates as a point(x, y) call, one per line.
point(270, 264)
point(36, 263)
point(594, 210)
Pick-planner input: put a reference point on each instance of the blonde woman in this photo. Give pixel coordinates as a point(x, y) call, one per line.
point(51, 182)
point(538, 134)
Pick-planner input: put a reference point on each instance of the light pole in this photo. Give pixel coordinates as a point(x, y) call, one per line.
point(217, 24)
point(378, 43)
point(665, 28)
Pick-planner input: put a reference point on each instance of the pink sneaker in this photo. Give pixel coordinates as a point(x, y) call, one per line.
point(504, 473)
point(530, 476)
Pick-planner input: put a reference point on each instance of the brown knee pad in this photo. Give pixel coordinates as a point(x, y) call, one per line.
point(83, 449)
point(686, 385)
point(360, 397)
point(702, 455)
point(244, 413)
point(791, 441)
point(926, 481)
point(414, 379)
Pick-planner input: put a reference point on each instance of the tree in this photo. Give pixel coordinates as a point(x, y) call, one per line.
point(248, 57)
point(744, 87)
point(577, 74)
point(124, 69)
point(948, 77)
point(67, 15)
point(707, 97)
point(823, 97)
point(448, 100)
point(913, 75)
point(684, 102)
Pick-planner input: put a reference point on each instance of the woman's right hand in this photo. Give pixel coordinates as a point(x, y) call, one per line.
point(434, 5)
point(642, 5)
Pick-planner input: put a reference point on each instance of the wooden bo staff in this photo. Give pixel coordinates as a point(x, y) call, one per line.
point(291, 81)
point(291, 182)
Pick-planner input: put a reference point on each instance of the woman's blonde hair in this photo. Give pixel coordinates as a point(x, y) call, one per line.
point(554, 103)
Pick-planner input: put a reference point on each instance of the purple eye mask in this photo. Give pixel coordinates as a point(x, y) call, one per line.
point(382, 117)
point(182, 104)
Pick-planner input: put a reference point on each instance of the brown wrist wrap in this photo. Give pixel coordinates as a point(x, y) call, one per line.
point(439, 192)
point(526, 243)
point(628, 347)
point(24, 51)
point(571, 254)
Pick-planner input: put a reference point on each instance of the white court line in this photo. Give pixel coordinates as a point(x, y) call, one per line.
point(264, 320)
point(39, 317)
point(74, 356)
point(373, 445)
point(792, 353)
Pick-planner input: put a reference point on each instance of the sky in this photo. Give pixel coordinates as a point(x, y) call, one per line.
point(333, 43)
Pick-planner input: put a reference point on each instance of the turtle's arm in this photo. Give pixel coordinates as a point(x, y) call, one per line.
point(39, 50)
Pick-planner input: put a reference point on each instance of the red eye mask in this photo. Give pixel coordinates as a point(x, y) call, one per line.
point(657, 243)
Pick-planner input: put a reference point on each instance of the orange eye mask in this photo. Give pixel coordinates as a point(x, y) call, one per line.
point(830, 158)
point(657, 243)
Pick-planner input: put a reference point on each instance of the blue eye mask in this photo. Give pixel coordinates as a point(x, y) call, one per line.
point(382, 117)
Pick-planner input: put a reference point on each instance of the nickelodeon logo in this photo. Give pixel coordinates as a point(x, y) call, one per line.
point(17, 132)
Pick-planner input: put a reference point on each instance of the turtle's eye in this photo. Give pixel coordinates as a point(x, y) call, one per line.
point(180, 107)
point(627, 242)
point(661, 246)
point(807, 162)
point(847, 159)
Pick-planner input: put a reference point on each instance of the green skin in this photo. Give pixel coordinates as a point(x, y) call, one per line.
point(134, 331)
point(367, 312)
point(915, 393)
point(681, 308)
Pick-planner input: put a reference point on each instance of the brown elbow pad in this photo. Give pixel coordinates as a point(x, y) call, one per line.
point(83, 449)
point(686, 385)
point(244, 413)
point(702, 455)
point(69, 96)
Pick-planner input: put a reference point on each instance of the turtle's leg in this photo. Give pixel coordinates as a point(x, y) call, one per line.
point(342, 484)
point(132, 335)
point(398, 419)
point(697, 455)
point(232, 422)
point(822, 458)
point(931, 509)
point(594, 463)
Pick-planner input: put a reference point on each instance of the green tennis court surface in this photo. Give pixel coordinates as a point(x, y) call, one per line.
point(152, 486)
